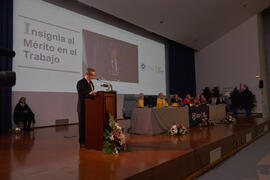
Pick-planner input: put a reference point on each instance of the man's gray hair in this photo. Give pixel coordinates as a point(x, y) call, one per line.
point(89, 70)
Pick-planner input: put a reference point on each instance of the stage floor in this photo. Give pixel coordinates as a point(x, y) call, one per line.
point(54, 153)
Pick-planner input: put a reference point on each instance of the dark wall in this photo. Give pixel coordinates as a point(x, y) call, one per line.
point(182, 79)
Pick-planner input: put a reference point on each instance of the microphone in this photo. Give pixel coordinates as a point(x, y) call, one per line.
point(105, 84)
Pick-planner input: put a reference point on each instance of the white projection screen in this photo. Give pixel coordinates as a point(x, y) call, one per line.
point(53, 45)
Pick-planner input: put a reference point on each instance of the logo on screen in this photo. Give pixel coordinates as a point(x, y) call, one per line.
point(143, 67)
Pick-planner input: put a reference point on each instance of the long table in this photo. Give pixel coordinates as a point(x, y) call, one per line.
point(217, 112)
point(152, 121)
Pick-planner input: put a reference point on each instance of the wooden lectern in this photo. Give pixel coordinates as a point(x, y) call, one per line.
point(97, 109)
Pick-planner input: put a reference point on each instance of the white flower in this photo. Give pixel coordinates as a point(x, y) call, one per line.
point(180, 130)
point(116, 151)
point(111, 137)
point(118, 127)
point(174, 129)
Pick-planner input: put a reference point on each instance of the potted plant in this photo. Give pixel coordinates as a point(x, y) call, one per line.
point(207, 93)
point(248, 101)
point(235, 101)
point(215, 91)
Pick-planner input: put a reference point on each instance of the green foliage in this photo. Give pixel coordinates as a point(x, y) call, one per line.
point(114, 139)
point(235, 99)
point(215, 92)
point(207, 93)
point(242, 100)
point(108, 148)
point(248, 99)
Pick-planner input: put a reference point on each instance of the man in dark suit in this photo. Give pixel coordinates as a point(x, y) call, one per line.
point(85, 89)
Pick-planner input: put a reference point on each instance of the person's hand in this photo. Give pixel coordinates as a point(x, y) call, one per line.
point(93, 93)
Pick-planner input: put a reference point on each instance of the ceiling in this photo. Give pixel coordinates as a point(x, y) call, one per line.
point(194, 23)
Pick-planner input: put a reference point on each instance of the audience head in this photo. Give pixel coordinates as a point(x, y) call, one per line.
point(22, 100)
point(196, 99)
point(176, 97)
point(141, 96)
point(90, 73)
point(220, 98)
point(188, 96)
point(161, 96)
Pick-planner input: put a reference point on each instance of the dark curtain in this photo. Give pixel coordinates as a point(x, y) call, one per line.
point(182, 79)
point(266, 39)
point(6, 40)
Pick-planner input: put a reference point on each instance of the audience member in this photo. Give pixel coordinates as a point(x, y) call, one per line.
point(23, 113)
point(161, 101)
point(196, 100)
point(187, 100)
point(220, 100)
point(140, 101)
point(176, 100)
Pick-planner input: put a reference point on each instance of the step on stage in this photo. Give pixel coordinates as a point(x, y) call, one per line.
point(54, 153)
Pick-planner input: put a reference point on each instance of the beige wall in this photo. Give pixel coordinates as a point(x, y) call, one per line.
point(50, 106)
point(231, 60)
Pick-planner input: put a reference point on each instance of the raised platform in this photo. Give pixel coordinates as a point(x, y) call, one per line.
point(54, 153)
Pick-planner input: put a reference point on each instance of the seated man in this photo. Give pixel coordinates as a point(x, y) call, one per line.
point(161, 101)
point(187, 100)
point(176, 101)
point(23, 113)
point(140, 101)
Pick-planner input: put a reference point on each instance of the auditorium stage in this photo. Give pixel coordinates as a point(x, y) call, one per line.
point(54, 153)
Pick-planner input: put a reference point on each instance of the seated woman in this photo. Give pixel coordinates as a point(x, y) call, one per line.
point(197, 100)
point(140, 101)
point(176, 101)
point(23, 113)
point(187, 100)
point(220, 100)
point(161, 101)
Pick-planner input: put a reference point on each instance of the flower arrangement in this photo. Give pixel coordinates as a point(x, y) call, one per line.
point(206, 122)
point(178, 129)
point(114, 138)
point(229, 119)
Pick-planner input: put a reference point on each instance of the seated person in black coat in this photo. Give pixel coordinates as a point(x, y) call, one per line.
point(23, 113)
point(220, 100)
